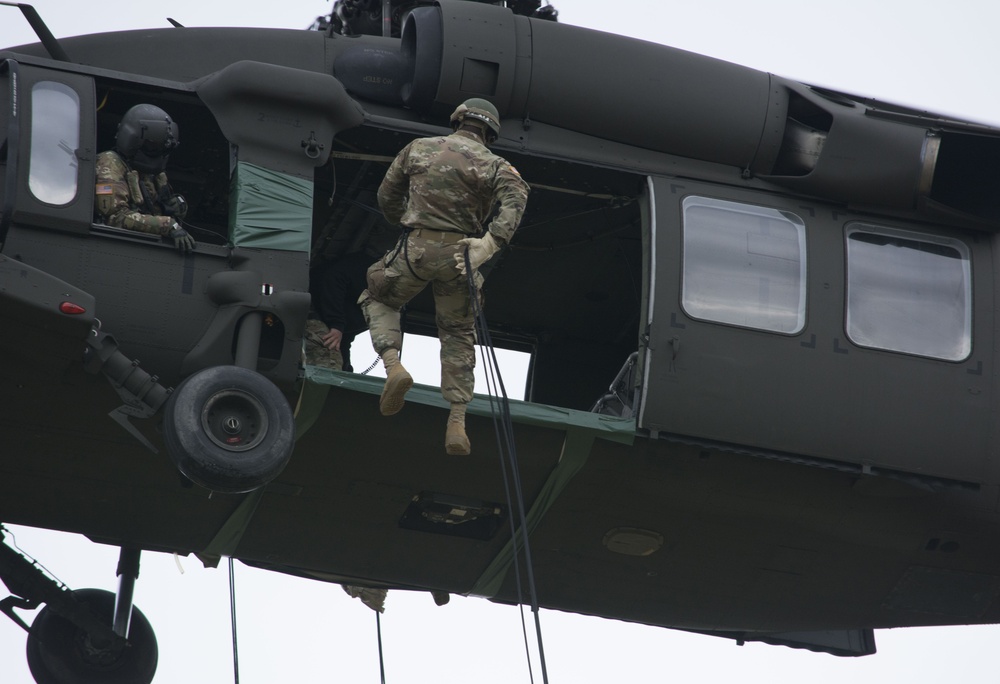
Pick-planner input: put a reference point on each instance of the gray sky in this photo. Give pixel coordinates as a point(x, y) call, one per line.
point(933, 56)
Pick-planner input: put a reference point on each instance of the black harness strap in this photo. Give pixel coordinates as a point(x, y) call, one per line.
point(402, 245)
point(406, 255)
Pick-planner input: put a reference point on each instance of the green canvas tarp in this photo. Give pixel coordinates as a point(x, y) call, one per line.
point(270, 209)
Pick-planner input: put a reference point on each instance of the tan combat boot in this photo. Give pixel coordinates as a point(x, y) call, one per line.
point(456, 443)
point(370, 596)
point(397, 382)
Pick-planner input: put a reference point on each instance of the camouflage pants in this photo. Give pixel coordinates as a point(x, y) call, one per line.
point(428, 256)
point(316, 353)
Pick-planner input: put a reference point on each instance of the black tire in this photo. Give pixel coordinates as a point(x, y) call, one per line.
point(229, 429)
point(58, 651)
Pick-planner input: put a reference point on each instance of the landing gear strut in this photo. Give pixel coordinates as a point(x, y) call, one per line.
point(61, 652)
point(87, 636)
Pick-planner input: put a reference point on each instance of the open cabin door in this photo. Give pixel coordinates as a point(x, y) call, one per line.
point(794, 329)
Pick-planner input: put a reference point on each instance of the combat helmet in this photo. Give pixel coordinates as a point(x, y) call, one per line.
point(146, 135)
point(478, 109)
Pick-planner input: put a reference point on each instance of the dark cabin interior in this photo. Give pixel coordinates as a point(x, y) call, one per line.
point(568, 290)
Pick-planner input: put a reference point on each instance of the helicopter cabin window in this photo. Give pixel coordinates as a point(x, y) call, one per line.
point(55, 137)
point(743, 265)
point(908, 292)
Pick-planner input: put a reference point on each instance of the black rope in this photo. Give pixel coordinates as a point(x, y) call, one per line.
point(215, 236)
point(504, 428)
point(491, 384)
point(232, 616)
point(381, 660)
point(370, 368)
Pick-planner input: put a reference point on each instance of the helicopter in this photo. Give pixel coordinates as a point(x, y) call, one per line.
point(773, 232)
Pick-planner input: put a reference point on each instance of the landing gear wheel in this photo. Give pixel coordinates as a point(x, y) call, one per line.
point(229, 429)
point(59, 652)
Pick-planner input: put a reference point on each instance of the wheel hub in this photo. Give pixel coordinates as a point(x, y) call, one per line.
point(234, 420)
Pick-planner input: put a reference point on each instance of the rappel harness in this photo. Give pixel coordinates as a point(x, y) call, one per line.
point(403, 245)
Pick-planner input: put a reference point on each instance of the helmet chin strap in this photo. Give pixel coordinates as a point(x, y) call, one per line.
point(480, 129)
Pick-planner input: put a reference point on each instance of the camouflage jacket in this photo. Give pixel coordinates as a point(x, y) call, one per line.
point(452, 183)
point(129, 199)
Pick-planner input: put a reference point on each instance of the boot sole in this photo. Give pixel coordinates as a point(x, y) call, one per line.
point(456, 449)
point(455, 445)
point(394, 393)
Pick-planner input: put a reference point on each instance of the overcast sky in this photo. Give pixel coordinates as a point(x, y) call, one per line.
point(935, 56)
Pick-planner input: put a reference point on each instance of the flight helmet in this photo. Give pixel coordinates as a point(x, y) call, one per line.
point(477, 109)
point(146, 136)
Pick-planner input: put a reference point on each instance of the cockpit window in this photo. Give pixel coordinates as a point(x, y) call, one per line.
point(908, 292)
point(55, 137)
point(744, 265)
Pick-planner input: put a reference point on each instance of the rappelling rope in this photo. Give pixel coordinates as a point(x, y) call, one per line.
point(504, 428)
point(381, 658)
point(491, 384)
point(232, 615)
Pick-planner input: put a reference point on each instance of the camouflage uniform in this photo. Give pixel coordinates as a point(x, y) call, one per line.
point(441, 190)
point(316, 352)
point(129, 199)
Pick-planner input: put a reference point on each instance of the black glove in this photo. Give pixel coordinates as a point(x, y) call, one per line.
point(173, 205)
point(182, 239)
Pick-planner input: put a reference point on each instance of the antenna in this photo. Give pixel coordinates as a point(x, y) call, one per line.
point(41, 30)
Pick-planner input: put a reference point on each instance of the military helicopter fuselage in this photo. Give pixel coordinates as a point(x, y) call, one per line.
point(761, 319)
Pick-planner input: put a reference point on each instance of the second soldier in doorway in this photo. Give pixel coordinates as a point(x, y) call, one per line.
point(336, 319)
point(441, 190)
point(132, 191)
